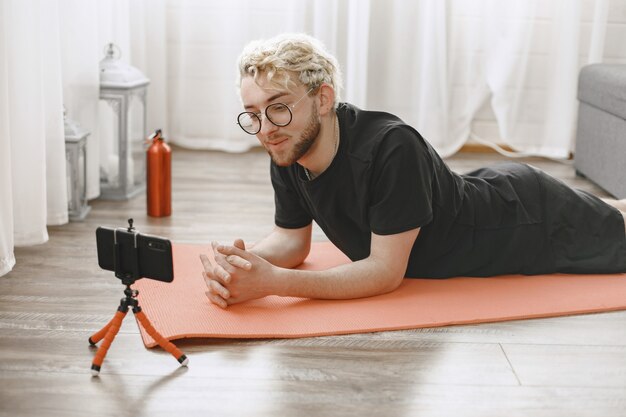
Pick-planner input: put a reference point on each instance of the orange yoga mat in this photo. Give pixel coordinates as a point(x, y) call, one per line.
point(181, 310)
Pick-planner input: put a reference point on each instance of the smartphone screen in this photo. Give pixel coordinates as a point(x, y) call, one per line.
point(137, 255)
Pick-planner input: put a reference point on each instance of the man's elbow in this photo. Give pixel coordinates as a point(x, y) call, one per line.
point(392, 282)
point(299, 251)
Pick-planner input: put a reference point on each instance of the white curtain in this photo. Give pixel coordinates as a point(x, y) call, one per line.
point(7, 259)
point(49, 59)
point(440, 65)
point(520, 58)
point(204, 40)
point(31, 124)
point(536, 118)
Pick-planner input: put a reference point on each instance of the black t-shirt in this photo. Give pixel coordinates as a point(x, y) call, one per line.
point(386, 179)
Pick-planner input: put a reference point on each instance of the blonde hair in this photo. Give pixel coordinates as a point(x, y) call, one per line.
point(279, 57)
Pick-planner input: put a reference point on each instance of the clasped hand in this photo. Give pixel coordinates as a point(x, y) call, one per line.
point(236, 275)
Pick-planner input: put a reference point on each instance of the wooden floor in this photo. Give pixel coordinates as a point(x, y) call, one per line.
point(56, 297)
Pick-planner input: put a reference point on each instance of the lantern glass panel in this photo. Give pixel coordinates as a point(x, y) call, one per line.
point(81, 175)
point(70, 172)
point(136, 140)
point(109, 145)
point(76, 177)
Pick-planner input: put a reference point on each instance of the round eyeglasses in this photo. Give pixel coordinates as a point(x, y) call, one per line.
point(279, 114)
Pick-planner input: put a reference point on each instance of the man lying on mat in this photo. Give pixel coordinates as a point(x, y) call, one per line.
point(385, 198)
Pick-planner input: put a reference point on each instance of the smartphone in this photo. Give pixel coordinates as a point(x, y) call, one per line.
point(137, 255)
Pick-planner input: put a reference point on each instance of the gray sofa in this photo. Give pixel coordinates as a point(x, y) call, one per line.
point(601, 134)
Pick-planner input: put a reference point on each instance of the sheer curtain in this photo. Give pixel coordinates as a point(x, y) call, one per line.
point(537, 116)
point(49, 59)
point(205, 39)
point(31, 111)
point(437, 64)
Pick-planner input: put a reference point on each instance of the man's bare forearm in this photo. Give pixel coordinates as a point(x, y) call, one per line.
point(284, 248)
point(251, 276)
point(364, 278)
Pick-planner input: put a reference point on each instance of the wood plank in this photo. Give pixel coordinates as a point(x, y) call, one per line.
point(576, 366)
point(601, 329)
point(175, 393)
point(428, 362)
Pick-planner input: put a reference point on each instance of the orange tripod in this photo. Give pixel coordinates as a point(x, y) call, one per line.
point(109, 331)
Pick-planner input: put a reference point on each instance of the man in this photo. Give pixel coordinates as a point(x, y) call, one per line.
point(386, 199)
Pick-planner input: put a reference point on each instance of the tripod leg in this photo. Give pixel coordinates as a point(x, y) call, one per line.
point(164, 343)
point(113, 328)
point(96, 337)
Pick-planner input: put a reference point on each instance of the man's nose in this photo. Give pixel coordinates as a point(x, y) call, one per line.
point(267, 127)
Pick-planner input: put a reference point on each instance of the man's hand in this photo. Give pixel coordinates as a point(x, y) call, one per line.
point(217, 278)
point(239, 275)
point(248, 276)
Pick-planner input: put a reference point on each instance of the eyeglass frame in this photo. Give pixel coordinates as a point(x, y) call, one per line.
point(264, 112)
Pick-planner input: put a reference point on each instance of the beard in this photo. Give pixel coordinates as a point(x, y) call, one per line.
point(301, 147)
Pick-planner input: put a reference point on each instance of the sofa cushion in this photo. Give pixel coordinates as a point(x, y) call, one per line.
point(604, 86)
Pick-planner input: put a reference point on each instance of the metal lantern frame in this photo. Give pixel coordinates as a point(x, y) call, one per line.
point(119, 84)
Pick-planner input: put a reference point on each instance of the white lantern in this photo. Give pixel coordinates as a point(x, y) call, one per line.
point(123, 127)
point(76, 169)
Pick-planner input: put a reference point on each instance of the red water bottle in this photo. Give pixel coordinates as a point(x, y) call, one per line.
point(159, 177)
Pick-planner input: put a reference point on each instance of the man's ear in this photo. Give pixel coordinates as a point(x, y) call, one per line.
point(327, 99)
